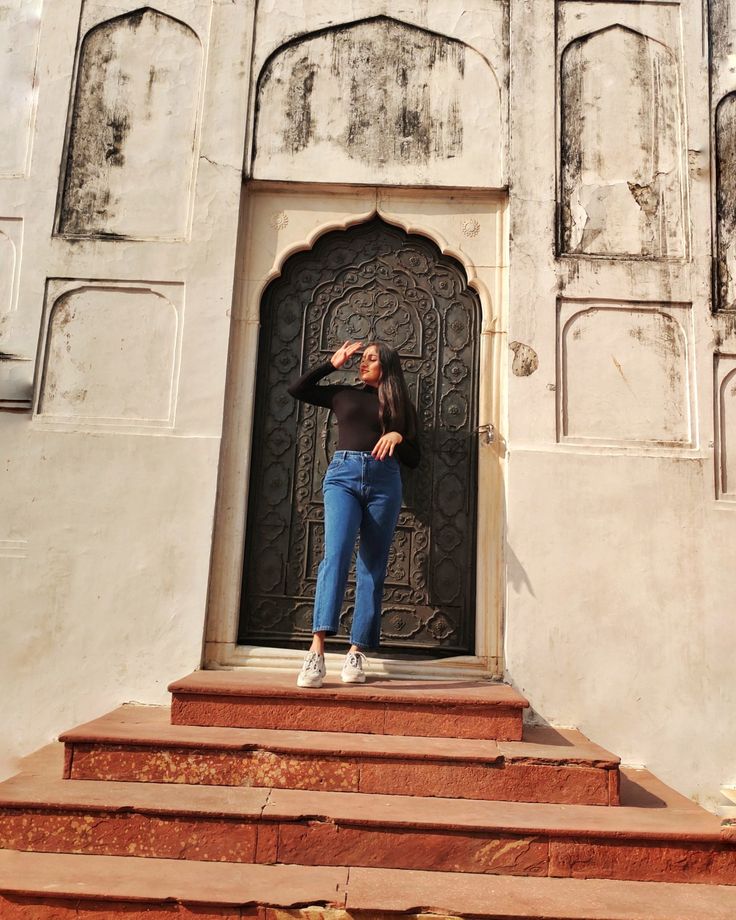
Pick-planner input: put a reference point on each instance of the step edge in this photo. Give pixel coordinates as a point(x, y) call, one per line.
point(564, 886)
point(301, 816)
point(346, 694)
point(596, 761)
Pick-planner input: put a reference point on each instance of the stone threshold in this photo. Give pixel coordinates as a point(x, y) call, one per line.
point(436, 708)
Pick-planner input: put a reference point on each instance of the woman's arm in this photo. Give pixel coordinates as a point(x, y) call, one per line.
point(408, 453)
point(307, 390)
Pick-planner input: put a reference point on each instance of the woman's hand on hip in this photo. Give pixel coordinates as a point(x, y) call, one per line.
point(345, 352)
point(385, 445)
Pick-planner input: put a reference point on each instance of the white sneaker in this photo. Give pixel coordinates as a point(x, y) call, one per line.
point(352, 670)
point(313, 671)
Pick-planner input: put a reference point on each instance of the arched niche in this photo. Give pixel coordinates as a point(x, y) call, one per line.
point(625, 377)
point(129, 166)
point(379, 101)
point(7, 272)
point(725, 136)
point(20, 30)
point(621, 147)
point(726, 457)
point(110, 355)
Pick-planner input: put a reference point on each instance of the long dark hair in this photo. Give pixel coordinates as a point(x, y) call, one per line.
point(395, 408)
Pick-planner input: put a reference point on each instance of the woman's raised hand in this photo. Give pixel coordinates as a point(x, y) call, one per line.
point(345, 352)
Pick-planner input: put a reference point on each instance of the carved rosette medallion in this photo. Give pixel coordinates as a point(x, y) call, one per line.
point(369, 282)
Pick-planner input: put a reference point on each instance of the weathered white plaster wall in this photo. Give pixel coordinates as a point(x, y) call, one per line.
point(404, 93)
point(116, 285)
point(620, 540)
point(114, 329)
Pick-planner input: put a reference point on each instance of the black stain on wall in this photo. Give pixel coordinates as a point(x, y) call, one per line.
point(109, 101)
point(587, 182)
point(299, 104)
point(400, 83)
point(725, 130)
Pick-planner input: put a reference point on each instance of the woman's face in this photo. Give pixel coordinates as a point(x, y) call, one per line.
point(370, 366)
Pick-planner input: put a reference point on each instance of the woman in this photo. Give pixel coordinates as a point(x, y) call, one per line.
point(377, 427)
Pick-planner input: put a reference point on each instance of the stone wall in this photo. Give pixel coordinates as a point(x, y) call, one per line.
point(619, 508)
point(613, 365)
point(122, 169)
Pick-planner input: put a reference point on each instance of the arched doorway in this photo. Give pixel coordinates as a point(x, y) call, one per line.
point(371, 281)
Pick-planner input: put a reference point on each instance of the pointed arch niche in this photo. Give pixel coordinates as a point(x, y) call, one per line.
point(725, 141)
point(275, 224)
point(379, 100)
point(132, 130)
point(621, 147)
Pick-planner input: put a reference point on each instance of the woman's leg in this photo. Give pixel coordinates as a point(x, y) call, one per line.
point(376, 533)
point(343, 514)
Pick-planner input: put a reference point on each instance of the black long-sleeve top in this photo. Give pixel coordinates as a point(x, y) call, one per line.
point(356, 411)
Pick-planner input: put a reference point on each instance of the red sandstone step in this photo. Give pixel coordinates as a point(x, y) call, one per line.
point(675, 842)
point(626, 843)
point(438, 709)
point(35, 886)
point(138, 744)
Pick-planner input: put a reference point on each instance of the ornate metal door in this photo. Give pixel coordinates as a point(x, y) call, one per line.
point(370, 282)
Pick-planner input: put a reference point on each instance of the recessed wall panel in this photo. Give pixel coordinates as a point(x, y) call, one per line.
point(11, 245)
point(725, 426)
point(379, 100)
point(111, 353)
point(133, 129)
point(622, 145)
point(624, 374)
point(722, 41)
point(20, 27)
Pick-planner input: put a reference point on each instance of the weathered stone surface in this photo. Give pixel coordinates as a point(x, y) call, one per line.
point(137, 744)
point(510, 782)
point(163, 884)
point(320, 843)
point(144, 835)
point(454, 722)
point(49, 907)
point(171, 890)
point(518, 782)
point(129, 166)
point(435, 104)
point(647, 861)
point(246, 768)
point(618, 184)
point(513, 898)
point(277, 714)
point(459, 709)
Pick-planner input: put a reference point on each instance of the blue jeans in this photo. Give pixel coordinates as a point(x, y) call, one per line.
point(360, 494)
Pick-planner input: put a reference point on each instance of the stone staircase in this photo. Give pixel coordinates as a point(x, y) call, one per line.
point(250, 798)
